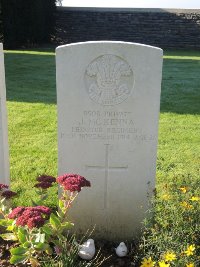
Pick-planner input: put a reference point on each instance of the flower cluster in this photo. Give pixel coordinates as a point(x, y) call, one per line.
point(3, 186)
point(73, 182)
point(190, 250)
point(46, 178)
point(30, 216)
point(147, 262)
point(163, 264)
point(5, 192)
point(169, 257)
point(186, 205)
point(195, 198)
point(45, 181)
point(183, 189)
point(8, 194)
point(37, 229)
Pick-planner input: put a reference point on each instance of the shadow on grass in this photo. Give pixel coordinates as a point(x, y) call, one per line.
point(181, 85)
point(30, 77)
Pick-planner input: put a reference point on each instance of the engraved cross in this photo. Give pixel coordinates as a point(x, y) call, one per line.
point(106, 169)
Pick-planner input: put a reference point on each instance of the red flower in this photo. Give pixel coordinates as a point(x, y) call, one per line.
point(43, 209)
point(58, 250)
point(43, 185)
point(8, 194)
point(30, 216)
point(72, 185)
point(16, 212)
point(21, 221)
point(3, 186)
point(30, 212)
point(73, 182)
point(46, 179)
point(36, 221)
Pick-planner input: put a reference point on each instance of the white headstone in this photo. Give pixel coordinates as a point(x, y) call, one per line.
point(4, 158)
point(108, 109)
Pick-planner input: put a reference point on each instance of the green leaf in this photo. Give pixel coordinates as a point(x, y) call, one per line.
point(6, 223)
point(18, 251)
point(61, 204)
point(54, 221)
point(22, 235)
point(10, 228)
point(9, 236)
point(38, 203)
point(41, 246)
point(27, 244)
point(67, 225)
point(47, 229)
point(60, 213)
point(17, 259)
point(49, 251)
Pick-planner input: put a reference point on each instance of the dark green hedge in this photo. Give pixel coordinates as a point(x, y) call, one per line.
point(27, 22)
point(1, 26)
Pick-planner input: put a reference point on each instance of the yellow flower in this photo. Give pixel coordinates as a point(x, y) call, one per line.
point(147, 263)
point(183, 189)
point(190, 265)
point(195, 198)
point(190, 250)
point(170, 256)
point(163, 264)
point(186, 205)
point(166, 196)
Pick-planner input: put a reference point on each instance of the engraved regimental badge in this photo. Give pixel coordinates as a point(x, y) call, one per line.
point(109, 80)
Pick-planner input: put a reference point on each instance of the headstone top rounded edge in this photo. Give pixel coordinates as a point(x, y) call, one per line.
point(108, 42)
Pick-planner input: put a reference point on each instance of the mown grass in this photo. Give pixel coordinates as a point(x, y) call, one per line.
point(31, 95)
point(175, 221)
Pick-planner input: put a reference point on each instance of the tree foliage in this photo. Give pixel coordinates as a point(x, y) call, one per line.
point(1, 26)
point(27, 22)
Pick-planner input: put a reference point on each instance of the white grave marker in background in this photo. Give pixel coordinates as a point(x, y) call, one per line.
point(108, 109)
point(4, 158)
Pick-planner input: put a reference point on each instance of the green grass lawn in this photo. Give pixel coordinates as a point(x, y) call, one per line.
point(31, 95)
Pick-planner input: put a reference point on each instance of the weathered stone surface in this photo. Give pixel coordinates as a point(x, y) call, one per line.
point(108, 109)
point(4, 159)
